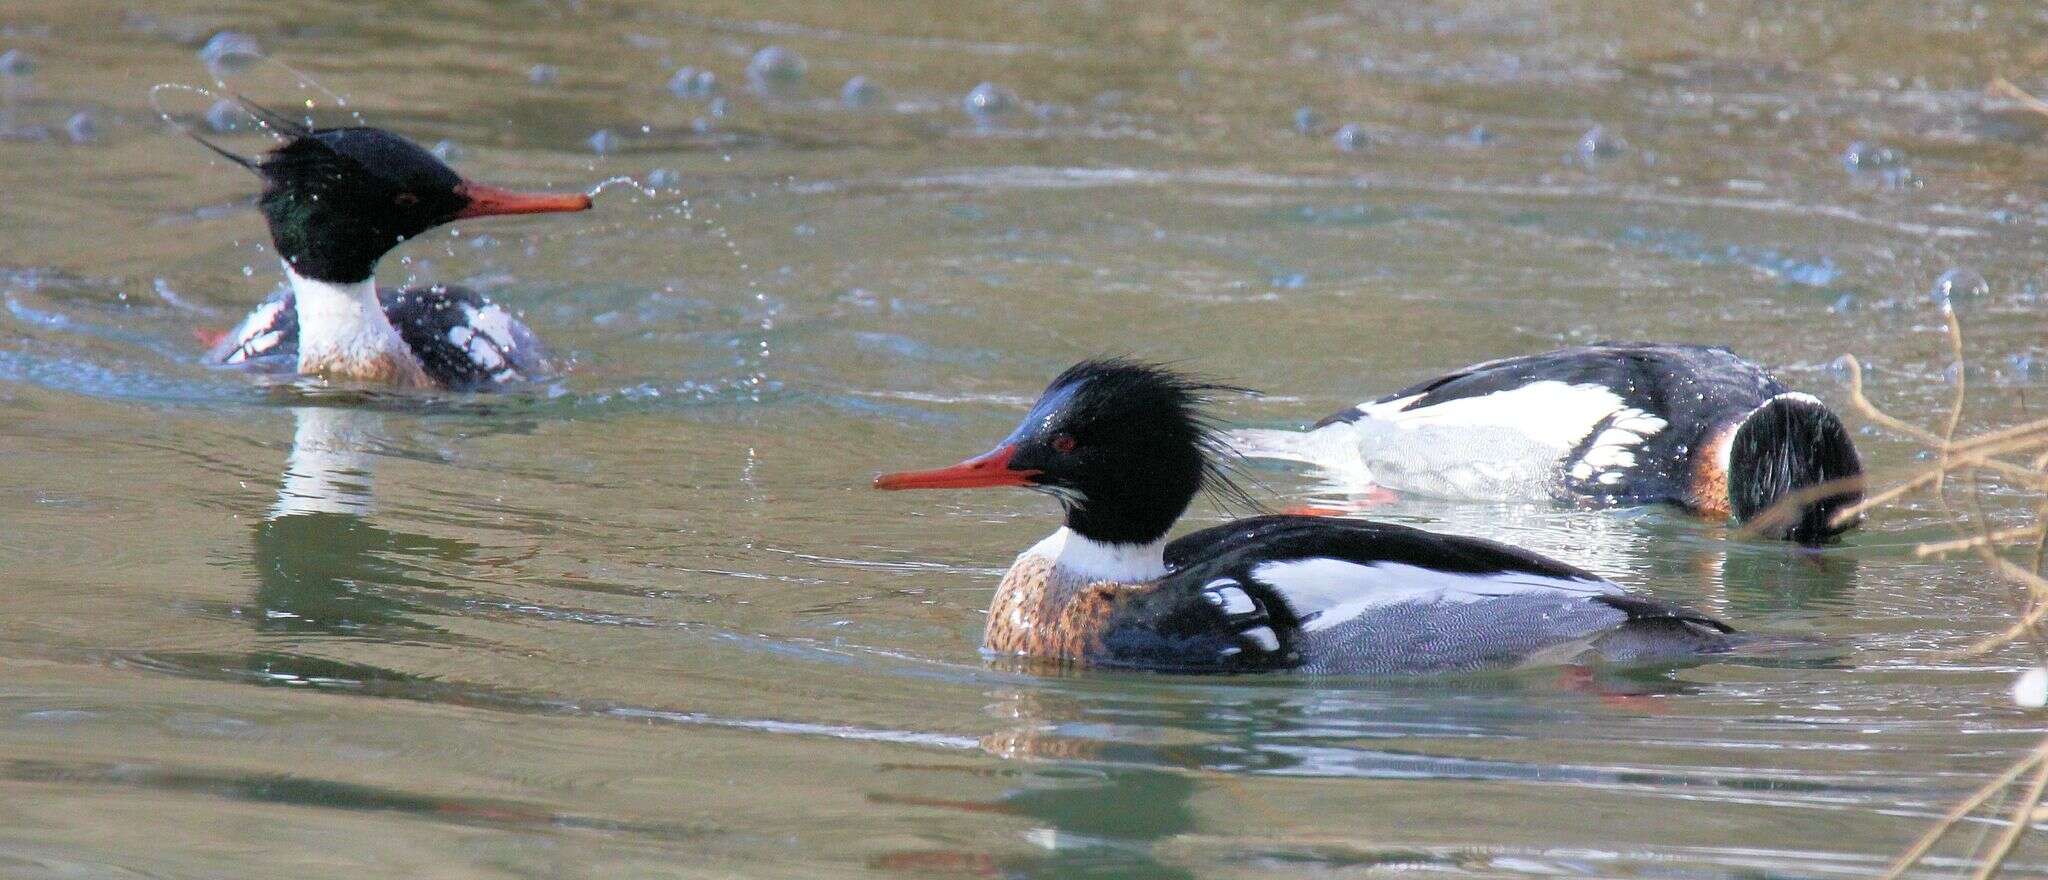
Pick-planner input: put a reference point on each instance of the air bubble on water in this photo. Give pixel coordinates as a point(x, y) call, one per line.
point(543, 75)
point(1307, 120)
point(690, 82)
point(82, 127)
point(775, 69)
point(230, 52)
point(1597, 143)
point(988, 100)
point(602, 142)
point(859, 93)
point(1352, 137)
point(447, 150)
point(1954, 284)
point(15, 62)
point(1862, 156)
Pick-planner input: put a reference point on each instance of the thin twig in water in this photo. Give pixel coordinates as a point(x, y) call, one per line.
point(1972, 460)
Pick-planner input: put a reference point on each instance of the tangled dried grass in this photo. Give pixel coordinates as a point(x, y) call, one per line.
point(2017, 458)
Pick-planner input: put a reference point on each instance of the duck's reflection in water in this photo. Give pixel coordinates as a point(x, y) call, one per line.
point(1104, 767)
point(324, 569)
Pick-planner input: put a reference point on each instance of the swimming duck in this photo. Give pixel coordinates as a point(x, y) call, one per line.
point(1126, 446)
point(1613, 424)
point(336, 201)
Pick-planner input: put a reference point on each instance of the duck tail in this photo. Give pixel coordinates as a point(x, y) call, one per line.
point(1791, 469)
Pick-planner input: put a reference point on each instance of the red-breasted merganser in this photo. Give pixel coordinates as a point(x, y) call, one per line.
point(337, 200)
point(1613, 424)
point(1125, 447)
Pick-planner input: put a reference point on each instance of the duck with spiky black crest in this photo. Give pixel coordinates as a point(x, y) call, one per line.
point(336, 201)
point(1125, 447)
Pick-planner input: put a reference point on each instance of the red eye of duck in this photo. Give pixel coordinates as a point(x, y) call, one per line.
point(1063, 443)
point(406, 200)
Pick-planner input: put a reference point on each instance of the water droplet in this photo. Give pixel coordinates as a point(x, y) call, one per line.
point(691, 83)
point(602, 142)
point(1352, 137)
point(1843, 304)
point(543, 75)
point(1956, 284)
point(989, 100)
point(775, 69)
point(448, 151)
point(227, 116)
point(859, 93)
point(663, 178)
point(83, 128)
point(230, 52)
point(718, 107)
point(1307, 120)
point(1598, 144)
point(15, 62)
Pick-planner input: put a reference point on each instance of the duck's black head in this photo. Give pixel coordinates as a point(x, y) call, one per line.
point(1124, 446)
point(338, 199)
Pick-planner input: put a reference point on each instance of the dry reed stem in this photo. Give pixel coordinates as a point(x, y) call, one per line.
point(1971, 459)
point(2004, 88)
point(1936, 548)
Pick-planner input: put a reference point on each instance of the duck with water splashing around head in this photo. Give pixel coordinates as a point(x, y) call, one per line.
point(1125, 448)
point(336, 201)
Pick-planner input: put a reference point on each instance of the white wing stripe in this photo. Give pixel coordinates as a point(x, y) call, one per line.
point(1231, 599)
point(1264, 637)
point(1325, 592)
point(1548, 411)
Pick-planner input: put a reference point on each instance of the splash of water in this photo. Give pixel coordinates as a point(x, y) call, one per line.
point(306, 83)
point(626, 181)
point(156, 101)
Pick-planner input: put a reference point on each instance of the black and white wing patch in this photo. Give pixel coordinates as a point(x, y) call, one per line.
point(1621, 461)
point(1247, 616)
point(463, 340)
point(1354, 597)
point(267, 339)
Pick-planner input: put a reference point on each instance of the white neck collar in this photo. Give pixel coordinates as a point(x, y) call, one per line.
point(1094, 560)
point(341, 321)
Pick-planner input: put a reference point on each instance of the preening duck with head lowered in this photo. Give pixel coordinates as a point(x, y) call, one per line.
point(1612, 425)
point(336, 201)
point(1125, 448)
